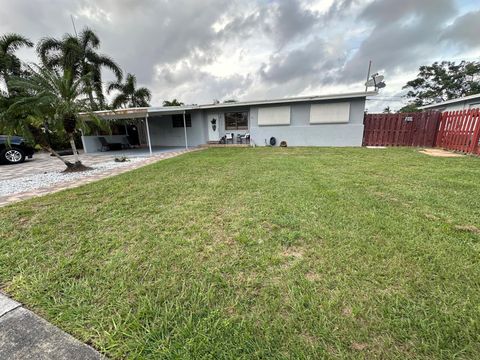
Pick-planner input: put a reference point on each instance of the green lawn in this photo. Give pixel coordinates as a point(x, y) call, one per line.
point(259, 254)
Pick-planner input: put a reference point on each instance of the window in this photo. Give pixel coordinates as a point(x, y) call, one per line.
point(236, 120)
point(177, 120)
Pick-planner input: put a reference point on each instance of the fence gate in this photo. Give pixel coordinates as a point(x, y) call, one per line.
point(460, 131)
point(402, 129)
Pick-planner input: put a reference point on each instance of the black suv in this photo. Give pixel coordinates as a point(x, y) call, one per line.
point(14, 149)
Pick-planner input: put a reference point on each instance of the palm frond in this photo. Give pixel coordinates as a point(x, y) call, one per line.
point(109, 63)
point(119, 101)
point(89, 38)
point(114, 86)
point(143, 93)
point(12, 42)
point(46, 47)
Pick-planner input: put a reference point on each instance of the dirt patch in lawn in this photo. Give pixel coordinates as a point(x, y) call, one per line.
point(440, 153)
point(293, 252)
point(468, 228)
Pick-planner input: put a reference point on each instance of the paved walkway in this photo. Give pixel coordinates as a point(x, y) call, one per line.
point(24, 335)
point(44, 163)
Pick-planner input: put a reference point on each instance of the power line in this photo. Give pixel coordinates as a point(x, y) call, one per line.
point(397, 100)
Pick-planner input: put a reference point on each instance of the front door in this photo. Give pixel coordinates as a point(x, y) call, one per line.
point(133, 137)
point(213, 123)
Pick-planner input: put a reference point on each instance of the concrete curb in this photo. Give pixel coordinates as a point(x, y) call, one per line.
point(24, 335)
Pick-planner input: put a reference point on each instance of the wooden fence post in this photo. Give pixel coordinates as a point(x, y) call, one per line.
point(476, 133)
point(441, 129)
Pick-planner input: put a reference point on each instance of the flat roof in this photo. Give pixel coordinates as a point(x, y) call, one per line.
point(452, 101)
point(168, 110)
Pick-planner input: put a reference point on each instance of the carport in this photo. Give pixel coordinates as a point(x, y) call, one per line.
point(91, 143)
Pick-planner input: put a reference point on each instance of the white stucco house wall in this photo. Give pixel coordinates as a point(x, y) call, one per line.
point(328, 120)
point(463, 103)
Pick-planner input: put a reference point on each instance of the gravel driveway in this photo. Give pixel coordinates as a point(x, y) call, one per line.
point(43, 174)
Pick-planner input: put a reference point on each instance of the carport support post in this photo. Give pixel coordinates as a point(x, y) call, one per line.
point(185, 128)
point(148, 135)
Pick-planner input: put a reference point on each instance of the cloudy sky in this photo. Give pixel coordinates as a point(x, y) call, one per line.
point(198, 51)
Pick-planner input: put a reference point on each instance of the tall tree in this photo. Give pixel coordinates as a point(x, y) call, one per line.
point(443, 81)
point(79, 56)
point(53, 99)
point(409, 108)
point(10, 64)
point(128, 93)
point(173, 102)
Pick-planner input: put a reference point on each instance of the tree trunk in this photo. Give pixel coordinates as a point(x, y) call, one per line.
point(47, 148)
point(93, 104)
point(77, 166)
point(74, 149)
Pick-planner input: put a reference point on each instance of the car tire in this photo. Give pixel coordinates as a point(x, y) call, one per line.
point(12, 156)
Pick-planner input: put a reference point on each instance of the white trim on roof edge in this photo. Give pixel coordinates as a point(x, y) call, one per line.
point(452, 101)
point(141, 112)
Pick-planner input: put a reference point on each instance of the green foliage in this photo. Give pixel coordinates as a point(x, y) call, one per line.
point(128, 95)
point(10, 64)
point(47, 105)
point(173, 102)
point(50, 94)
point(265, 253)
point(79, 56)
point(446, 80)
point(409, 108)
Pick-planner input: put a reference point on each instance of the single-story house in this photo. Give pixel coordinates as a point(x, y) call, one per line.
point(463, 103)
point(328, 120)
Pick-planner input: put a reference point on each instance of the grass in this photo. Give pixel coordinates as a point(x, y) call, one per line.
point(259, 253)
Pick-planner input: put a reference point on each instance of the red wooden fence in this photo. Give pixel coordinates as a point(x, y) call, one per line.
point(460, 131)
point(403, 129)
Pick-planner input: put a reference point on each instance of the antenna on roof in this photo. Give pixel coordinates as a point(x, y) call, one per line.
point(368, 74)
point(376, 81)
point(73, 23)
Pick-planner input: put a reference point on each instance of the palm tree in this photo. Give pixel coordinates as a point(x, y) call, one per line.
point(129, 95)
point(53, 99)
point(10, 65)
point(78, 55)
point(174, 102)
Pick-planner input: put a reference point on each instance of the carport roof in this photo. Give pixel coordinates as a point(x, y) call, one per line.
point(142, 112)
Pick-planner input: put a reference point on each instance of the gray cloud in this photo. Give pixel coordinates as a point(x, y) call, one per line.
point(277, 47)
point(152, 32)
point(310, 63)
point(404, 34)
point(186, 81)
point(291, 20)
point(464, 30)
